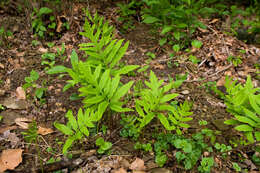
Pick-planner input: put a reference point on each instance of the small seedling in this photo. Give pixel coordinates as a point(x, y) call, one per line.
point(146, 147)
point(206, 164)
point(196, 44)
point(151, 55)
point(103, 145)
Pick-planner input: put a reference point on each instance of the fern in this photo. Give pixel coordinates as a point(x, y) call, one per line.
point(153, 103)
point(243, 102)
point(103, 48)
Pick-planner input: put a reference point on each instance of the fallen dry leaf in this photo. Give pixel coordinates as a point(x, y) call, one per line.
point(3, 129)
point(22, 122)
point(20, 93)
point(10, 159)
point(137, 165)
point(121, 170)
point(44, 131)
point(213, 21)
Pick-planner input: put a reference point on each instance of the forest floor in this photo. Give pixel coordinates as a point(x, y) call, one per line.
point(19, 57)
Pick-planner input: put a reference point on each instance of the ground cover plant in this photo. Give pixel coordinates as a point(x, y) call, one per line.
point(128, 86)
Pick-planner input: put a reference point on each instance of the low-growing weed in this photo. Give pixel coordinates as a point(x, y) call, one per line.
point(153, 103)
point(103, 145)
point(243, 103)
point(31, 83)
point(145, 147)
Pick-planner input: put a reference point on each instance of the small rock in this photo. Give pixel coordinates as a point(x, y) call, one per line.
point(160, 170)
point(185, 92)
point(13, 103)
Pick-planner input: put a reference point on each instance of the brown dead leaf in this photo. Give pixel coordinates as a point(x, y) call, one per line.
point(44, 131)
point(3, 129)
point(10, 159)
point(121, 170)
point(213, 21)
point(22, 122)
point(2, 66)
point(20, 93)
point(137, 165)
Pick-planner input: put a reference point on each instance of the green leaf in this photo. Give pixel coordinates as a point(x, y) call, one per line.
point(176, 47)
point(34, 75)
point(150, 20)
point(44, 10)
point(257, 136)
point(166, 29)
point(64, 129)
point(100, 141)
point(101, 109)
point(72, 120)
point(74, 59)
point(106, 146)
point(122, 91)
point(177, 35)
point(168, 97)
point(249, 136)
point(68, 144)
point(163, 41)
point(104, 79)
point(93, 100)
point(126, 69)
point(57, 69)
point(251, 115)
point(165, 122)
point(196, 43)
point(244, 128)
point(244, 119)
point(231, 122)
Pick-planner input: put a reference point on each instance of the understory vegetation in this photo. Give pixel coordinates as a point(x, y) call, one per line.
point(134, 99)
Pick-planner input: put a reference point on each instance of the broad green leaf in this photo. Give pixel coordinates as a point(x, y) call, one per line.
point(164, 121)
point(184, 125)
point(196, 43)
point(126, 69)
point(106, 146)
point(57, 69)
point(74, 59)
point(118, 108)
point(122, 91)
point(177, 35)
point(244, 128)
point(150, 20)
point(168, 97)
point(120, 54)
point(176, 47)
point(139, 110)
point(68, 144)
point(244, 119)
point(104, 79)
point(249, 136)
point(231, 122)
point(252, 100)
point(167, 87)
point(257, 136)
point(34, 75)
point(72, 120)
point(114, 86)
point(93, 100)
point(44, 10)
point(64, 129)
point(101, 109)
point(163, 41)
point(166, 29)
point(100, 141)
